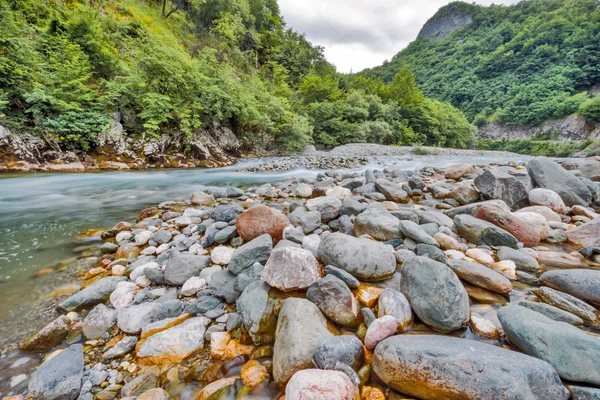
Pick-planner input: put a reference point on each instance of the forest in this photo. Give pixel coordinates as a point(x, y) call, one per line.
point(169, 67)
point(515, 65)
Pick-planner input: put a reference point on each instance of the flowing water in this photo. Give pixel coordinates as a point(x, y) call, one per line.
point(40, 214)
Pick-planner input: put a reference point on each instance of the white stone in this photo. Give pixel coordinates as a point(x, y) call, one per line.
point(192, 286)
point(162, 248)
point(143, 281)
point(339, 192)
point(148, 251)
point(123, 236)
point(221, 255)
point(123, 295)
point(197, 250)
point(139, 271)
point(195, 213)
point(142, 238)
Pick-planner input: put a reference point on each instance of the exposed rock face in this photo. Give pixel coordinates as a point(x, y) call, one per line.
point(443, 367)
point(444, 23)
point(572, 128)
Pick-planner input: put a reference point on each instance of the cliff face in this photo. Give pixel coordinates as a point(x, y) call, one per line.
point(571, 128)
point(446, 21)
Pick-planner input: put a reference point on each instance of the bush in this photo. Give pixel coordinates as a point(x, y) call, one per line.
point(590, 110)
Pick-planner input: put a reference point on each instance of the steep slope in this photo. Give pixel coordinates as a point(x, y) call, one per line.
point(513, 65)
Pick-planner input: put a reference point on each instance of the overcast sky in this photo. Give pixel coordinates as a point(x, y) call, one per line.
point(358, 34)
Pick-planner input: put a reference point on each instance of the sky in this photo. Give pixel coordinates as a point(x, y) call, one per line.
point(359, 34)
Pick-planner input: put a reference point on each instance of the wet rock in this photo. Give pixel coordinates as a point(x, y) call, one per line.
point(573, 353)
point(548, 198)
point(261, 220)
point(49, 336)
point(506, 268)
point(568, 303)
point(435, 294)
point(480, 276)
point(393, 303)
point(346, 349)
point(552, 312)
point(202, 199)
point(291, 268)
point(321, 385)
point(257, 250)
point(443, 367)
point(97, 292)
point(478, 231)
point(363, 258)
point(182, 266)
point(497, 184)
point(139, 385)
point(581, 283)
point(122, 347)
point(257, 311)
point(378, 224)
point(457, 171)
point(300, 329)
point(480, 255)
point(521, 260)
point(98, 321)
point(211, 389)
point(329, 207)
point(336, 301)
point(348, 279)
point(60, 377)
point(175, 344)
point(516, 226)
point(379, 330)
point(253, 373)
point(548, 175)
point(587, 234)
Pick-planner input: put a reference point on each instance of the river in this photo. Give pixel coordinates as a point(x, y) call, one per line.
point(41, 214)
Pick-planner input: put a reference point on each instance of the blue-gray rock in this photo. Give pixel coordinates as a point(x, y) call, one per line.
point(308, 220)
point(352, 207)
point(255, 251)
point(379, 224)
point(568, 303)
point(581, 283)
point(109, 248)
point(552, 312)
point(162, 236)
point(574, 354)
point(428, 217)
point(345, 225)
point(366, 189)
point(203, 304)
point(97, 292)
point(233, 192)
point(257, 311)
point(406, 215)
point(234, 321)
point(348, 279)
point(222, 285)
point(347, 349)
point(433, 252)
point(336, 301)
point(444, 367)
point(225, 234)
point(435, 294)
point(478, 231)
point(226, 212)
point(183, 266)
point(497, 184)
point(60, 377)
point(584, 393)
point(248, 276)
point(122, 347)
point(415, 232)
point(155, 275)
point(363, 258)
point(547, 174)
point(521, 259)
point(133, 318)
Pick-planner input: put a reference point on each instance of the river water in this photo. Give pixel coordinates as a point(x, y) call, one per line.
point(41, 214)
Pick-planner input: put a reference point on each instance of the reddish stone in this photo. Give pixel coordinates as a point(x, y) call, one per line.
point(524, 232)
point(260, 220)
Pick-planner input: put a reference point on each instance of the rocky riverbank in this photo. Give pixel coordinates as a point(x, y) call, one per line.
point(464, 282)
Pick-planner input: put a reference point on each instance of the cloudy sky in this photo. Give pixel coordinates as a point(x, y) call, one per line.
point(358, 34)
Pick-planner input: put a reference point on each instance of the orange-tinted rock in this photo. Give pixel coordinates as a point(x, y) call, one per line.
point(513, 224)
point(457, 171)
point(253, 373)
point(260, 220)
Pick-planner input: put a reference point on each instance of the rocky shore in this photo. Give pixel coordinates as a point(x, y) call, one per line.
point(476, 282)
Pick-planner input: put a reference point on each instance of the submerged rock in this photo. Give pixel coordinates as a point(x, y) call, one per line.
point(97, 292)
point(317, 384)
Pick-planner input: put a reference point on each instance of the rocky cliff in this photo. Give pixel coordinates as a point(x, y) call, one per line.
point(571, 128)
point(446, 21)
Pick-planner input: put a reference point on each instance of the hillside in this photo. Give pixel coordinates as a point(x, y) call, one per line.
point(515, 65)
point(135, 83)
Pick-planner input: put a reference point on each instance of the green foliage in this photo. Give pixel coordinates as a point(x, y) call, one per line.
point(523, 64)
point(591, 109)
point(534, 147)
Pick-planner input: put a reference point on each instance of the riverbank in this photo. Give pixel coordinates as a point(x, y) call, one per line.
point(271, 279)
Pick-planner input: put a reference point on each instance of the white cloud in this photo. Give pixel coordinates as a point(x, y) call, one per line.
point(359, 34)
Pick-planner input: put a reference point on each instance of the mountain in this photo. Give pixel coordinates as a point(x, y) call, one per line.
point(518, 65)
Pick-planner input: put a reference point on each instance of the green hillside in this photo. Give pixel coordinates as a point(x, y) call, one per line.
point(515, 65)
point(170, 67)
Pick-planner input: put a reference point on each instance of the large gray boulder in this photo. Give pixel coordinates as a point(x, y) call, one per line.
point(379, 224)
point(183, 266)
point(444, 367)
point(478, 231)
point(573, 353)
point(581, 283)
point(435, 294)
point(497, 184)
point(392, 191)
point(97, 292)
point(300, 329)
point(60, 377)
point(258, 312)
point(255, 251)
point(545, 173)
point(366, 259)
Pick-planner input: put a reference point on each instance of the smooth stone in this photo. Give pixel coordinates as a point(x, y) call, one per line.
point(226, 212)
point(480, 256)
point(203, 305)
point(547, 174)
point(511, 223)
point(308, 220)
point(97, 292)
point(301, 327)
point(49, 336)
point(99, 320)
point(457, 171)
point(291, 269)
point(584, 393)
point(328, 207)
point(548, 198)
point(481, 276)
point(201, 199)
point(393, 303)
point(346, 349)
point(444, 367)
point(573, 353)
point(192, 286)
point(391, 191)
point(568, 303)
point(552, 312)
point(60, 377)
point(182, 266)
point(478, 231)
point(363, 258)
point(336, 301)
point(379, 330)
point(435, 294)
point(261, 220)
point(133, 318)
point(318, 384)
point(581, 283)
point(222, 285)
point(348, 279)
point(257, 311)
point(415, 232)
point(507, 268)
point(122, 347)
point(378, 224)
point(255, 251)
point(123, 295)
point(303, 190)
point(471, 209)
point(521, 259)
point(554, 259)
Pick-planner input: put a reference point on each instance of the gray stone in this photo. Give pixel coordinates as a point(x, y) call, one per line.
point(471, 209)
point(574, 354)
point(347, 278)
point(393, 303)
point(433, 252)
point(328, 206)
point(60, 377)
point(222, 285)
point(133, 318)
point(248, 276)
point(291, 268)
point(552, 312)
point(301, 327)
point(97, 292)
point(203, 304)
point(345, 225)
point(568, 303)
point(521, 260)
point(336, 301)
point(352, 207)
point(435, 294)
point(497, 184)
point(162, 236)
point(406, 215)
point(226, 212)
point(308, 220)
point(363, 258)
point(183, 266)
point(122, 347)
point(255, 251)
point(428, 217)
point(581, 283)
point(478, 231)
point(444, 367)
point(225, 234)
point(391, 191)
point(257, 311)
point(347, 349)
point(481, 276)
point(584, 393)
point(379, 224)
point(546, 174)
point(98, 321)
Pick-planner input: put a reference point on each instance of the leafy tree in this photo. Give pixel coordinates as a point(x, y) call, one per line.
point(591, 109)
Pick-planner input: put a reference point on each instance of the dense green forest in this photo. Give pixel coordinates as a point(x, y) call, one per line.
point(171, 66)
point(515, 65)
